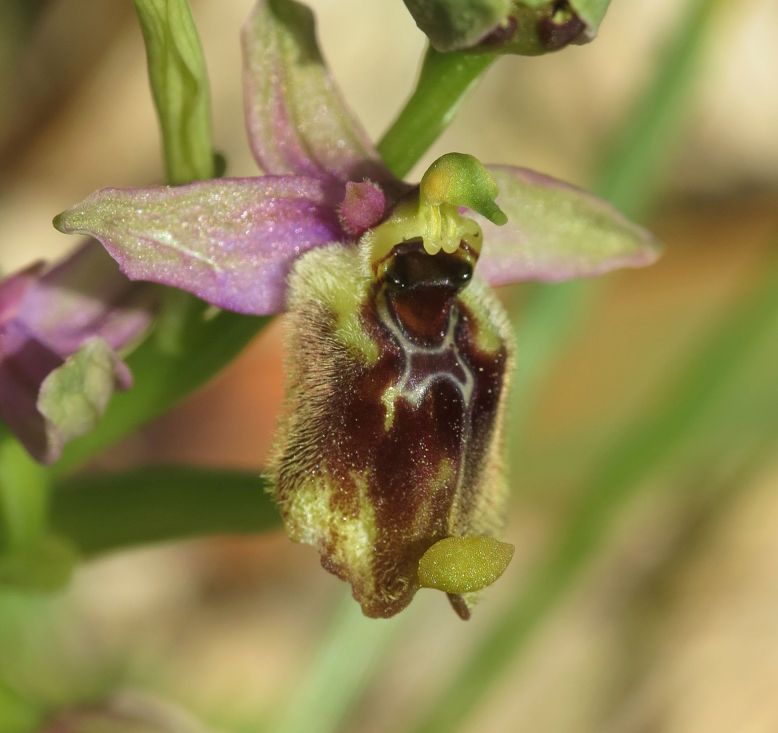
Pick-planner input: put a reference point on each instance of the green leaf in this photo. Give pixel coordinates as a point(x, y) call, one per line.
point(444, 81)
point(180, 87)
point(316, 704)
point(110, 511)
point(637, 157)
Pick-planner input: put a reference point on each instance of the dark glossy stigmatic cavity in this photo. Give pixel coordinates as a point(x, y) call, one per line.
point(410, 268)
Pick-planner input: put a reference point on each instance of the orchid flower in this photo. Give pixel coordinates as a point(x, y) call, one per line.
point(387, 457)
point(60, 330)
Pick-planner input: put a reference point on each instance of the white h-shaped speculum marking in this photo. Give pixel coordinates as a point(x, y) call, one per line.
point(414, 393)
point(405, 387)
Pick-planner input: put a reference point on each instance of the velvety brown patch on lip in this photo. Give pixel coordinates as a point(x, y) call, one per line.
point(412, 505)
point(421, 288)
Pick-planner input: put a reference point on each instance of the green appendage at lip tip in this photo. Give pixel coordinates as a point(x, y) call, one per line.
point(459, 565)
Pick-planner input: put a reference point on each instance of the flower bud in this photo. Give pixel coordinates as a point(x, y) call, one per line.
point(525, 27)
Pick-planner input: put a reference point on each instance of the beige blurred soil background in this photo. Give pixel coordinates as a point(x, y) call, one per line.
point(675, 627)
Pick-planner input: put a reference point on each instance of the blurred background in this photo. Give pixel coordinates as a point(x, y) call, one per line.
point(642, 431)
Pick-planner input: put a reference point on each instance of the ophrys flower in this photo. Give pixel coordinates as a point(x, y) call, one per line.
point(388, 454)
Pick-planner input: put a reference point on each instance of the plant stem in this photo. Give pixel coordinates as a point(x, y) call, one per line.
point(444, 80)
point(179, 85)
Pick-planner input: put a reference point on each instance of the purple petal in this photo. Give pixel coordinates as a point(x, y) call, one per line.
point(228, 241)
point(297, 121)
point(556, 231)
point(13, 289)
point(24, 364)
point(86, 295)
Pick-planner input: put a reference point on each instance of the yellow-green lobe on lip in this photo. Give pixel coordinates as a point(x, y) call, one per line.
point(464, 564)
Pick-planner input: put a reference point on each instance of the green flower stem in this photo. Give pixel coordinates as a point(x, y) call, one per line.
point(112, 511)
point(179, 84)
point(443, 82)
